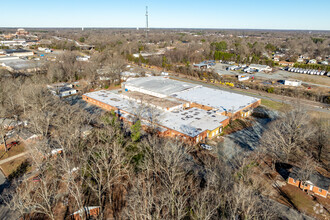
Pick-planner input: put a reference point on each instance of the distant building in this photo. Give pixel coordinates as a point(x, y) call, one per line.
point(15, 64)
point(14, 42)
point(312, 61)
point(243, 77)
point(164, 74)
point(91, 211)
point(300, 60)
point(46, 50)
point(234, 67)
point(126, 75)
point(9, 124)
point(318, 58)
point(260, 68)
point(21, 32)
point(62, 89)
point(292, 82)
point(26, 135)
point(144, 54)
point(201, 66)
point(276, 58)
point(285, 63)
point(83, 58)
point(18, 52)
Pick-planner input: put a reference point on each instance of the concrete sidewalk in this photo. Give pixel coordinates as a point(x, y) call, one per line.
point(12, 158)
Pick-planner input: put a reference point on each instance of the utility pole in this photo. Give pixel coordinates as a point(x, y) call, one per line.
point(147, 22)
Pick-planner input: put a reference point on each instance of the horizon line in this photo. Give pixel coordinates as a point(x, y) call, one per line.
point(194, 28)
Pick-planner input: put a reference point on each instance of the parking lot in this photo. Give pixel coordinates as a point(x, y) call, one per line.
point(322, 81)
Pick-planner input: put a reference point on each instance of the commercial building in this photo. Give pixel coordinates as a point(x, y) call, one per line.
point(18, 52)
point(175, 109)
point(15, 42)
point(260, 68)
point(157, 86)
point(15, 64)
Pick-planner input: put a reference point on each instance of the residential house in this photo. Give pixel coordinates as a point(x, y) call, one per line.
point(285, 63)
point(300, 60)
point(62, 89)
point(316, 183)
point(90, 211)
point(312, 61)
point(276, 59)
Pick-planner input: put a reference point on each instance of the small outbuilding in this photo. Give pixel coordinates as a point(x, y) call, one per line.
point(292, 82)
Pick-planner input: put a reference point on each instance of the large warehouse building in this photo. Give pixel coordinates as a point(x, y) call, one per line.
point(176, 109)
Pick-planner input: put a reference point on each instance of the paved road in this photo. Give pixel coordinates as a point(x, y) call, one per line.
point(308, 105)
point(2, 178)
point(13, 158)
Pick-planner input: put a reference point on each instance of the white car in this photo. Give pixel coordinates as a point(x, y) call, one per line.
point(206, 147)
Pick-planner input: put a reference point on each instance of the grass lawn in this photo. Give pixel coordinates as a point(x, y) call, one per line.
point(302, 201)
point(12, 151)
point(278, 106)
point(11, 166)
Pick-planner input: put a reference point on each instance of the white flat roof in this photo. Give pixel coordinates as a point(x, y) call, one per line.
point(217, 99)
point(258, 66)
point(160, 84)
point(189, 122)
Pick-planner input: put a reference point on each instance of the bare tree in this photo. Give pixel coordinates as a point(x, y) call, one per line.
point(287, 137)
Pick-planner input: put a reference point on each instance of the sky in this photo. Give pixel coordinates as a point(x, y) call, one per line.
point(237, 14)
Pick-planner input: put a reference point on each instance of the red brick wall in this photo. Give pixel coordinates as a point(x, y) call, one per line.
point(293, 182)
point(320, 192)
point(98, 103)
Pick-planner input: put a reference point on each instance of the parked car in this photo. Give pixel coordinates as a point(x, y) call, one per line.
point(12, 144)
point(206, 147)
point(36, 178)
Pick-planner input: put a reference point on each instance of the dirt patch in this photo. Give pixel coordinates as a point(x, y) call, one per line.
point(11, 166)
